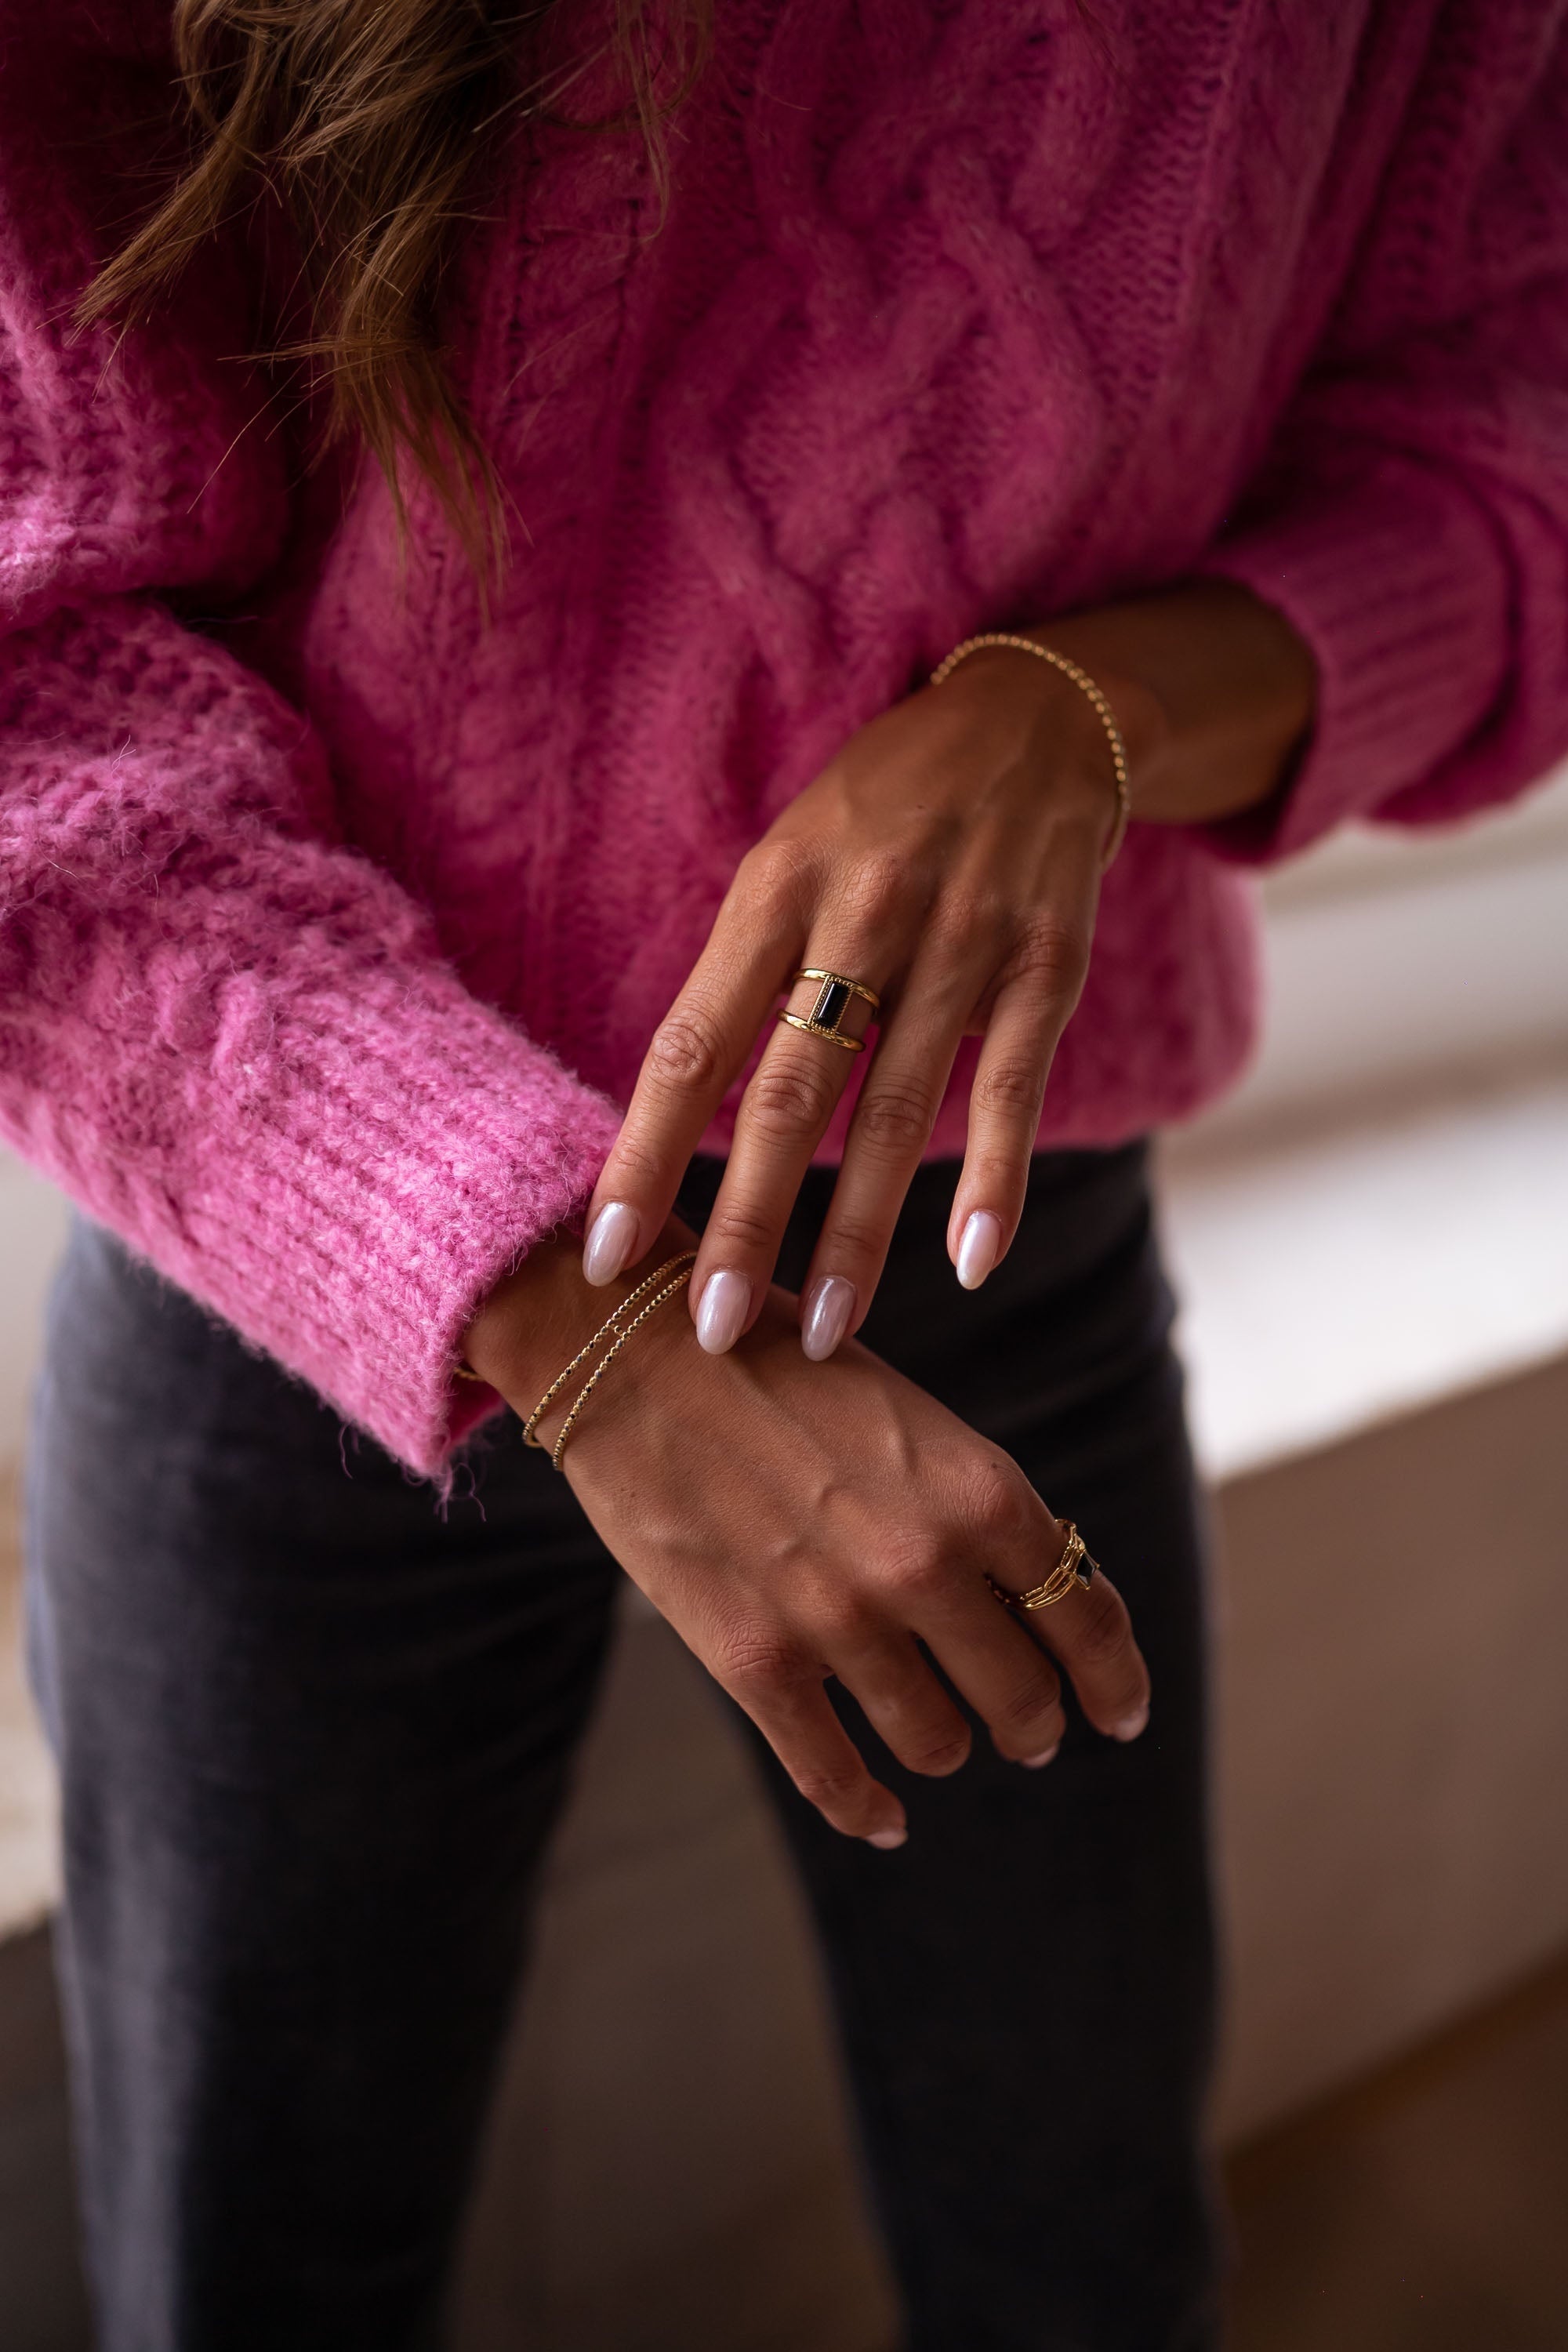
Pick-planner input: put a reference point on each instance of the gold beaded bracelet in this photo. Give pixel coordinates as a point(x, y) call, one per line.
point(598, 1374)
point(684, 1260)
point(612, 1319)
point(1086, 685)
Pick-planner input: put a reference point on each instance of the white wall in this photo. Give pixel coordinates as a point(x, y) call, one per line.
point(32, 1227)
point(1400, 964)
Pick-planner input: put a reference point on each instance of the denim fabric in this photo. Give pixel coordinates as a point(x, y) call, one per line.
point(313, 1735)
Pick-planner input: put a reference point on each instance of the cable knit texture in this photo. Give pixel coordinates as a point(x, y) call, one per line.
point(334, 918)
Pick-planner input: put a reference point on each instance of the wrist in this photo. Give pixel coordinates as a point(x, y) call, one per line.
point(535, 1320)
point(1212, 689)
point(665, 1397)
point(1080, 733)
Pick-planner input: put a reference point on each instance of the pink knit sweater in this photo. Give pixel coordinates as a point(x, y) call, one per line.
point(333, 921)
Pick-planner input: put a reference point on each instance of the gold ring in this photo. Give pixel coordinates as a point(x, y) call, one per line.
point(835, 993)
point(1074, 1568)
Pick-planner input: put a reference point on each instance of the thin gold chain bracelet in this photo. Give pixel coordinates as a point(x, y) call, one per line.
point(649, 1282)
point(1086, 686)
point(598, 1374)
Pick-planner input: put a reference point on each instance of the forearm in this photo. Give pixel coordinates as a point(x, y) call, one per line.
point(1214, 691)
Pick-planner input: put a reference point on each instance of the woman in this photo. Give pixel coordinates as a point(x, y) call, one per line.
point(1216, 355)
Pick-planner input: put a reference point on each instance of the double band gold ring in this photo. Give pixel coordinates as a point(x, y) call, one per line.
point(1074, 1569)
point(835, 994)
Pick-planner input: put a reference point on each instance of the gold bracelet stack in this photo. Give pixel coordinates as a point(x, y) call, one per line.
point(663, 1283)
point(1086, 686)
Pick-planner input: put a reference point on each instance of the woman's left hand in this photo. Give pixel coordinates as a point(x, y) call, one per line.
point(949, 859)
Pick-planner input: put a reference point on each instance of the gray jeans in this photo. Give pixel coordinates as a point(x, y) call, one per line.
point(313, 1733)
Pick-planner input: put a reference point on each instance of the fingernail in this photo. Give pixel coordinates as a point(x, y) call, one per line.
point(721, 1311)
point(979, 1249)
point(828, 1308)
point(888, 1839)
point(612, 1237)
point(1033, 1763)
point(1131, 1724)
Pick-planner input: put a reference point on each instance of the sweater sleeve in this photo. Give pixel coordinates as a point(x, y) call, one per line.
point(1411, 517)
point(228, 1035)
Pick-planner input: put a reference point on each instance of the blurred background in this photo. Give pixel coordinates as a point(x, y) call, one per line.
point(1370, 1242)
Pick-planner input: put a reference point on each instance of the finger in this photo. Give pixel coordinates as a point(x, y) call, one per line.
point(788, 1102)
point(888, 1137)
point(1091, 1635)
point(791, 1709)
point(904, 1703)
point(1032, 1007)
point(695, 1057)
point(1007, 1679)
point(1016, 1542)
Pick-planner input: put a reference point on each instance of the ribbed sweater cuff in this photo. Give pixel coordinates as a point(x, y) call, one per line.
point(351, 1223)
point(1399, 588)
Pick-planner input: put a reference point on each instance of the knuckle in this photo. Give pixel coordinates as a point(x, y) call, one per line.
point(1018, 1710)
point(753, 1662)
point(790, 1097)
point(685, 1052)
point(638, 1167)
point(915, 1571)
point(998, 1505)
point(830, 1791)
point(896, 1120)
point(852, 1239)
point(741, 1230)
point(1050, 959)
point(1103, 1634)
point(876, 893)
point(1009, 1087)
point(938, 1751)
point(774, 872)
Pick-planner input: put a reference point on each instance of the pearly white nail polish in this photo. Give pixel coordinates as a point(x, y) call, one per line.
point(828, 1308)
point(1130, 1725)
point(722, 1310)
point(888, 1839)
point(979, 1249)
point(612, 1237)
point(1033, 1763)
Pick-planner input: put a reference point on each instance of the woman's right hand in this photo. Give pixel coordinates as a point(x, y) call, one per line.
point(795, 1521)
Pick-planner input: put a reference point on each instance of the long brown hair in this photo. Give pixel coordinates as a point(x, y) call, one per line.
point(365, 118)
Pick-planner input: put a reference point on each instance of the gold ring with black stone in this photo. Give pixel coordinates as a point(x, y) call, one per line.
point(835, 994)
point(1075, 1569)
